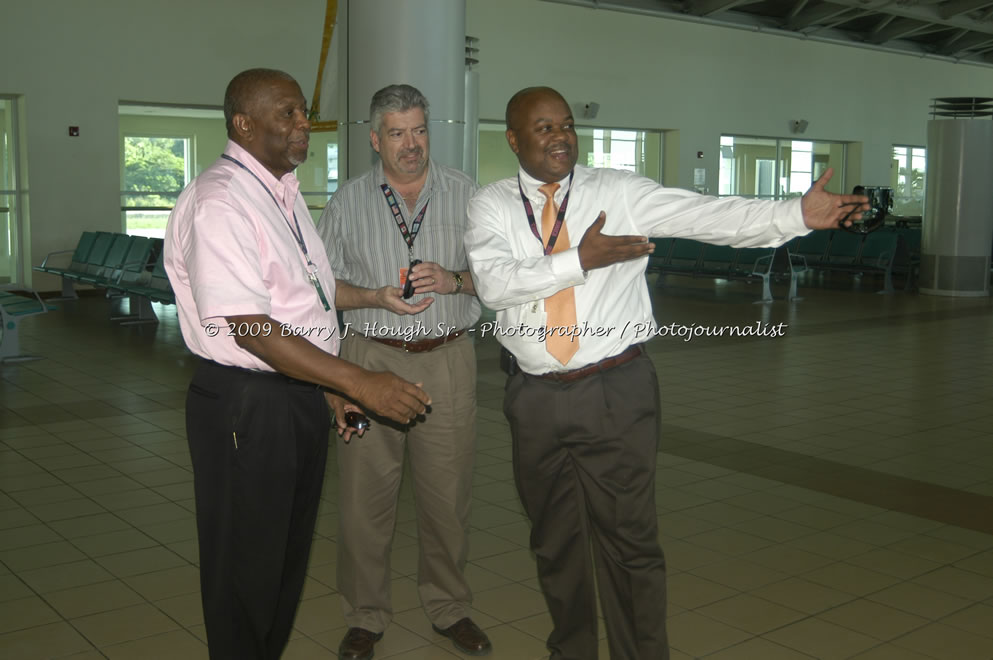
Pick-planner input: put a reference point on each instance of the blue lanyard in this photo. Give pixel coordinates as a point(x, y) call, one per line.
point(297, 233)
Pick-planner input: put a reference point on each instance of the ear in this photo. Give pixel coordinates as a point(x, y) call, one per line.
point(512, 141)
point(374, 139)
point(244, 127)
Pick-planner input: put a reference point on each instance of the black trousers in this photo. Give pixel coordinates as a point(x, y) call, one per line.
point(584, 465)
point(259, 445)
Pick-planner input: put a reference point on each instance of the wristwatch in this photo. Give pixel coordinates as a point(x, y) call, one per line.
point(458, 282)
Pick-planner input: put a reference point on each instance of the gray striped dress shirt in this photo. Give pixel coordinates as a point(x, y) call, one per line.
point(366, 249)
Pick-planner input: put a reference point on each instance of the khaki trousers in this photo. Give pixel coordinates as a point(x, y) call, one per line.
point(441, 448)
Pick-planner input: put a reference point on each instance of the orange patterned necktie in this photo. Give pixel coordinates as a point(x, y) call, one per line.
point(560, 307)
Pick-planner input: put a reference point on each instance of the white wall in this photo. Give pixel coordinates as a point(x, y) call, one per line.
point(704, 80)
point(74, 61)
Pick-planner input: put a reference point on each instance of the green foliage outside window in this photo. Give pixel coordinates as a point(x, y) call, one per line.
point(154, 165)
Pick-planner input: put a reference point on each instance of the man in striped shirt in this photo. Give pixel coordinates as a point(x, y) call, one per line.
point(394, 238)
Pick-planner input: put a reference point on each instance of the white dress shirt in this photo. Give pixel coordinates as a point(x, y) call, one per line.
point(613, 307)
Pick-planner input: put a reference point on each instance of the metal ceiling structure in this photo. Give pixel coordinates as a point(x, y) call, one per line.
point(953, 30)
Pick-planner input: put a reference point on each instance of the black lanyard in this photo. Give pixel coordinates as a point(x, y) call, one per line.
point(294, 229)
point(408, 234)
point(557, 227)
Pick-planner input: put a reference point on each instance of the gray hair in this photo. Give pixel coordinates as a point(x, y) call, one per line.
point(395, 98)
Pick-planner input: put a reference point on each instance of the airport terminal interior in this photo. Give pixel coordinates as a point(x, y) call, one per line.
point(825, 471)
point(826, 493)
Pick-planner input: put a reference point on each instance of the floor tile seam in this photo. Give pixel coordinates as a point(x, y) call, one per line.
point(839, 327)
point(762, 635)
point(90, 557)
point(820, 614)
point(817, 472)
point(98, 647)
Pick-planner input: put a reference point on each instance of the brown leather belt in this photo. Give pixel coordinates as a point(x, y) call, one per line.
point(421, 345)
point(603, 365)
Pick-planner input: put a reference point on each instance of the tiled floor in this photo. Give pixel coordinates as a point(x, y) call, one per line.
point(827, 494)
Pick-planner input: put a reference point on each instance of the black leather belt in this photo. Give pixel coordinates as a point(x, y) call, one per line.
point(577, 374)
point(255, 373)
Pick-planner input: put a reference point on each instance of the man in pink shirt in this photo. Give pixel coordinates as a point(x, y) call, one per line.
point(255, 296)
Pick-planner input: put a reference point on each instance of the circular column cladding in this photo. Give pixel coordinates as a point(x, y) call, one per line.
point(420, 43)
point(957, 237)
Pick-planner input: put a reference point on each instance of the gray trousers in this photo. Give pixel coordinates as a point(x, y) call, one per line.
point(441, 451)
point(584, 464)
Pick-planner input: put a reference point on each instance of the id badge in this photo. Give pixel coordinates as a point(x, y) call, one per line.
point(312, 273)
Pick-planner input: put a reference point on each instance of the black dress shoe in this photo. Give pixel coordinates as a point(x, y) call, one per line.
point(466, 636)
point(358, 644)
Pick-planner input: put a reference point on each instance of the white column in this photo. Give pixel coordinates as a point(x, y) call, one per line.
point(958, 216)
point(419, 43)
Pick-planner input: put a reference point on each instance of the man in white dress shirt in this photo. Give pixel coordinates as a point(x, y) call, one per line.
point(566, 277)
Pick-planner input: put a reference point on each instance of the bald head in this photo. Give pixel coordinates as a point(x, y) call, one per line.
point(244, 90)
point(266, 114)
point(541, 131)
point(519, 103)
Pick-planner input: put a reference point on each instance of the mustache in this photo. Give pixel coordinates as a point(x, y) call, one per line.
point(416, 151)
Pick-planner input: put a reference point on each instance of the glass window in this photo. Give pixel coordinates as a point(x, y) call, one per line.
point(332, 167)
point(772, 168)
point(156, 169)
point(164, 147)
point(907, 180)
point(9, 225)
point(638, 151)
point(319, 174)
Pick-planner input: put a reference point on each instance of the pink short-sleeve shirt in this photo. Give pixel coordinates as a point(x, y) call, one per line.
point(231, 250)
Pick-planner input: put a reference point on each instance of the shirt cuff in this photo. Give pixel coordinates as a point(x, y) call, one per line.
point(793, 223)
point(566, 267)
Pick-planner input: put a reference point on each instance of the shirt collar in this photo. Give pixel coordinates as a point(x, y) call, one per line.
point(531, 186)
point(285, 188)
point(434, 180)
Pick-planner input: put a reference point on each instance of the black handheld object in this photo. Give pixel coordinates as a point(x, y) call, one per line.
point(408, 287)
point(880, 202)
point(356, 420)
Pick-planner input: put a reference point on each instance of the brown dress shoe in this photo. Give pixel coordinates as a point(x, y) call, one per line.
point(357, 644)
point(467, 637)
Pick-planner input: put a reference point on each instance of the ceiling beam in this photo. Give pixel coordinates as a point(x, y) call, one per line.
point(958, 7)
point(711, 7)
point(964, 44)
point(797, 8)
point(898, 29)
point(879, 28)
point(842, 19)
point(925, 13)
point(883, 22)
point(815, 16)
